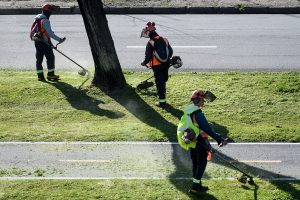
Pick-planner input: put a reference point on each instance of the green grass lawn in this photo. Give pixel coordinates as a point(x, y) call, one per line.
point(145, 189)
point(250, 107)
point(260, 107)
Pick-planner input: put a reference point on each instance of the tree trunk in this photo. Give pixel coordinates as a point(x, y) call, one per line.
point(108, 72)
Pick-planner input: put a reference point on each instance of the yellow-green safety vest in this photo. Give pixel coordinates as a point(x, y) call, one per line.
point(187, 122)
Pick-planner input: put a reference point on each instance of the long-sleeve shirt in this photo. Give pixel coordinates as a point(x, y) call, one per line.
point(47, 26)
point(203, 125)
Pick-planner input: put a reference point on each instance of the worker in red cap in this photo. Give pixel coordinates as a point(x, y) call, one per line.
point(42, 33)
point(157, 57)
point(192, 134)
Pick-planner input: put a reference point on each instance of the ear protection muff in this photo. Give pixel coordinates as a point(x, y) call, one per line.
point(196, 100)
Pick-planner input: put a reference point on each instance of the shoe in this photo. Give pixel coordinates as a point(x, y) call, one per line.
point(204, 188)
point(200, 191)
point(52, 77)
point(41, 79)
point(196, 192)
point(161, 105)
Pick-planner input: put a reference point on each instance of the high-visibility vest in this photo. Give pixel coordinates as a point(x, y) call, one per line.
point(154, 60)
point(43, 31)
point(188, 121)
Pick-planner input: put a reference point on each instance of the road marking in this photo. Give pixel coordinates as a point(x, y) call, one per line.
point(257, 161)
point(86, 161)
point(140, 143)
point(177, 47)
point(135, 178)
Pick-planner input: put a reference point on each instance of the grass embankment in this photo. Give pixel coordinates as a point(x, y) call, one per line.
point(145, 189)
point(250, 107)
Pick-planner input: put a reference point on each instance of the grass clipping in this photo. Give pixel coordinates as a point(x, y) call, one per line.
point(250, 107)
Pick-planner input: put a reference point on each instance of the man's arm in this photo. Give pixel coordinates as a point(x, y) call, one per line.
point(47, 27)
point(148, 54)
point(170, 51)
point(203, 124)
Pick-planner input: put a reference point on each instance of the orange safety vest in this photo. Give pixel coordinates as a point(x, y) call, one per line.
point(43, 31)
point(154, 61)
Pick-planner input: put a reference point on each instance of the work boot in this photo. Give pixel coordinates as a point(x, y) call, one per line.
point(53, 77)
point(41, 79)
point(198, 189)
point(161, 104)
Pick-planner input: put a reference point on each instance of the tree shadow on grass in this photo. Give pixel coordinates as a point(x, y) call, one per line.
point(130, 100)
point(79, 100)
point(222, 130)
point(174, 111)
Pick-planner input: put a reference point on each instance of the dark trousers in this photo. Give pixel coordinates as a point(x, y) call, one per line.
point(199, 158)
point(42, 49)
point(161, 75)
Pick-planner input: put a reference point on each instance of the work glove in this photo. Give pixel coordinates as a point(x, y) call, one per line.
point(223, 142)
point(143, 63)
point(62, 40)
point(189, 136)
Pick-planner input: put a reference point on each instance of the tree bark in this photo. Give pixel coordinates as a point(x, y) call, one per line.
point(108, 72)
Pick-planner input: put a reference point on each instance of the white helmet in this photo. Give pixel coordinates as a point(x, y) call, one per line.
point(150, 27)
point(176, 62)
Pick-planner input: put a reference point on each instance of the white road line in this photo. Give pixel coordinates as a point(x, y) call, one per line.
point(86, 161)
point(257, 161)
point(133, 178)
point(177, 47)
point(141, 143)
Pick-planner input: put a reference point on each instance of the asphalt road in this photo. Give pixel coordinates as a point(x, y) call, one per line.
point(142, 160)
point(205, 42)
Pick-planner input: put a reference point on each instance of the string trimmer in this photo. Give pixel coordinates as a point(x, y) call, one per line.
point(176, 62)
point(245, 176)
point(81, 72)
point(145, 84)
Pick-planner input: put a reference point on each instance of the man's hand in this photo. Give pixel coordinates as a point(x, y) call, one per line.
point(223, 142)
point(143, 63)
point(62, 40)
point(189, 136)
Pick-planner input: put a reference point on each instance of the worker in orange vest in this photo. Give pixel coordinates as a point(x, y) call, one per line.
point(43, 44)
point(157, 57)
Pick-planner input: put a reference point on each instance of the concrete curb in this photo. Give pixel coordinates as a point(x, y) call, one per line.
point(162, 10)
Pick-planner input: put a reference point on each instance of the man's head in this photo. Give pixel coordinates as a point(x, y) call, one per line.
point(148, 30)
point(198, 97)
point(48, 9)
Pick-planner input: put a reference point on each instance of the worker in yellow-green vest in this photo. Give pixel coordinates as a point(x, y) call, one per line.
point(192, 134)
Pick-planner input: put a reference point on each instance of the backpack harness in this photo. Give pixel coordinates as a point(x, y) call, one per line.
point(161, 54)
point(37, 31)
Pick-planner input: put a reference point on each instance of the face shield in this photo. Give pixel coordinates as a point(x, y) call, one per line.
point(150, 27)
point(145, 33)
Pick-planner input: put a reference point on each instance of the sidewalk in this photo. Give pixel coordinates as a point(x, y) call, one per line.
point(163, 7)
point(141, 160)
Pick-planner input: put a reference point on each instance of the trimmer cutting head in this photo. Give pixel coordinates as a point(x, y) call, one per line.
point(144, 85)
point(82, 72)
point(242, 179)
point(245, 179)
point(250, 181)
